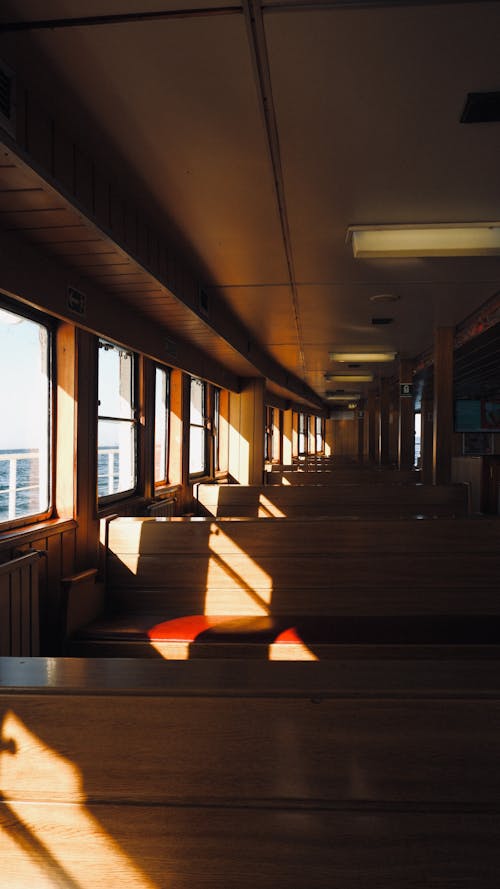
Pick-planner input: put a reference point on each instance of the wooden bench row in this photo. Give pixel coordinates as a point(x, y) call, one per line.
point(294, 475)
point(177, 585)
point(188, 776)
point(368, 501)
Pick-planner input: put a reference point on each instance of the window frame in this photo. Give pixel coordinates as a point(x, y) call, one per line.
point(106, 499)
point(163, 483)
point(216, 428)
point(319, 421)
point(50, 324)
point(203, 425)
point(303, 420)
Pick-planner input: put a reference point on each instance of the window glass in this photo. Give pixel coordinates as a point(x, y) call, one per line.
point(116, 436)
point(197, 401)
point(197, 433)
point(25, 425)
point(268, 434)
point(302, 434)
point(276, 442)
point(162, 379)
point(216, 429)
point(319, 434)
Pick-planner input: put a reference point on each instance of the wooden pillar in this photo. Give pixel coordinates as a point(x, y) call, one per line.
point(384, 431)
point(87, 535)
point(287, 436)
point(246, 435)
point(372, 426)
point(426, 440)
point(311, 437)
point(361, 435)
point(406, 437)
point(224, 431)
point(178, 458)
point(295, 434)
point(443, 405)
point(329, 437)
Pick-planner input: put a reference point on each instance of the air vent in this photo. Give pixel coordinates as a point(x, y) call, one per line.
point(7, 108)
point(481, 108)
point(381, 321)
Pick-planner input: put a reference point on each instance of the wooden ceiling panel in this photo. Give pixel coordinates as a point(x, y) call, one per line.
point(184, 117)
point(366, 103)
point(267, 312)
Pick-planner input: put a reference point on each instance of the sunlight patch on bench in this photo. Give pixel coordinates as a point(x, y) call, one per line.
point(236, 584)
point(270, 508)
point(63, 845)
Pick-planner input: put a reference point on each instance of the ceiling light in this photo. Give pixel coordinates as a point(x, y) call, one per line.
point(335, 396)
point(460, 239)
point(384, 298)
point(368, 357)
point(349, 378)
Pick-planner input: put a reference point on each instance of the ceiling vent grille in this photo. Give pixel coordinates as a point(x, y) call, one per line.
point(7, 107)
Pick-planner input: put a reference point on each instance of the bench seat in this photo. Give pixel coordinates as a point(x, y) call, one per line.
point(291, 637)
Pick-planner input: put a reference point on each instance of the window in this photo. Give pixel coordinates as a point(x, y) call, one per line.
point(162, 405)
point(303, 433)
point(197, 428)
point(277, 435)
point(25, 412)
point(216, 430)
point(268, 435)
point(319, 432)
point(116, 433)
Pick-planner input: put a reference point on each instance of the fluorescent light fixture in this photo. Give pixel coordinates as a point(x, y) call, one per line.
point(349, 378)
point(352, 396)
point(359, 357)
point(456, 239)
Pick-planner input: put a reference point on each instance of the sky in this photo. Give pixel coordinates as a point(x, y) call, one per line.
point(23, 384)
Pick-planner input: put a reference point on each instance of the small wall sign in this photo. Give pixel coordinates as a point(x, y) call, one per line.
point(76, 302)
point(406, 390)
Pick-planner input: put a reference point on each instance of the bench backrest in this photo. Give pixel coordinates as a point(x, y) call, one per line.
point(341, 475)
point(375, 501)
point(304, 566)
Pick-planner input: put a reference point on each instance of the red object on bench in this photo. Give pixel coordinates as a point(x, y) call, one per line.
point(293, 630)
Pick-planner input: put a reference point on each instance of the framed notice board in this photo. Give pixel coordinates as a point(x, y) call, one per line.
point(476, 444)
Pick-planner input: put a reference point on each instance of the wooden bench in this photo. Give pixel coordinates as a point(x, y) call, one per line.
point(341, 475)
point(250, 775)
point(285, 588)
point(377, 501)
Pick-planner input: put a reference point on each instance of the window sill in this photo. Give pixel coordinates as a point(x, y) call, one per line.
point(28, 533)
point(164, 492)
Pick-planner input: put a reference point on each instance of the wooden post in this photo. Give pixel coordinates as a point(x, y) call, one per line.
point(246, 435)
point(372, 426)
point(361, 434)
point(426, 439)
point(443, 405)
point(287, 436)
point(406, 437)
point(384, 436)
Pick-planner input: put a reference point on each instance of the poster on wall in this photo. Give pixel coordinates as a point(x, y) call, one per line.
point(490, 414)
point(477, 444)
point(477, 415)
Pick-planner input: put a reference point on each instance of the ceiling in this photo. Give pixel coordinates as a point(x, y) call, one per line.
point(255, 133)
